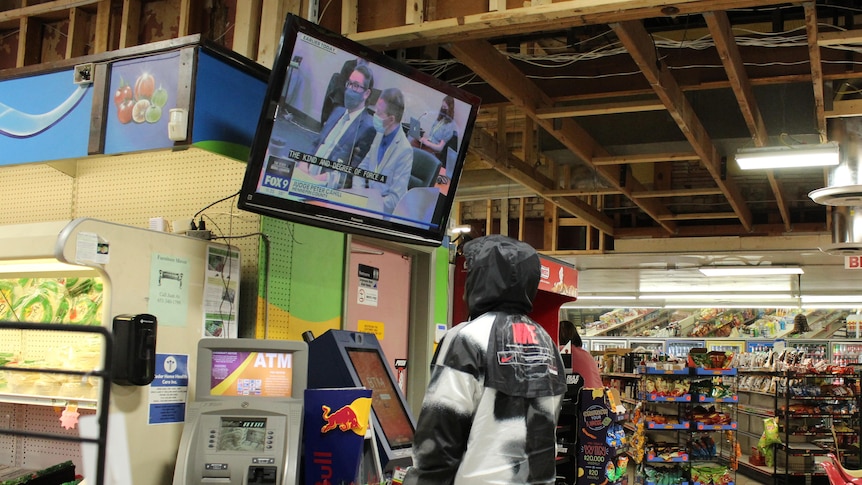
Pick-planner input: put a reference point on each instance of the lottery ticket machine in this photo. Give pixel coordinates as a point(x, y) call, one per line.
point(244, 426)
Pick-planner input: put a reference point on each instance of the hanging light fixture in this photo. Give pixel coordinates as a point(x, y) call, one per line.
point(790, 156)
point(750, 270)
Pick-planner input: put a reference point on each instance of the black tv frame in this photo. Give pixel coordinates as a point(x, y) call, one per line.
point(324, 213)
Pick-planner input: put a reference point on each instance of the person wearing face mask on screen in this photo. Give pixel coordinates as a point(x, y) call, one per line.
point(442, 129)
point(347, 134)
point(391, 154)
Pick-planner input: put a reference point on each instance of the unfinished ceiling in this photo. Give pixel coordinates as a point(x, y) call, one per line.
point(626, 115)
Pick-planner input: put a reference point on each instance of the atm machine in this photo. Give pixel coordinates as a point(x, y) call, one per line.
point(244, 426)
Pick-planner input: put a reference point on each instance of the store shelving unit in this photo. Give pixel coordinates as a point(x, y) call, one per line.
point(681, 436)
point(102, 373)
point(810, 407)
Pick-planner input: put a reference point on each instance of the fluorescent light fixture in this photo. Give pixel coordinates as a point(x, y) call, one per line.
point(18, 266)
point(606, 297)
point(726, 305)
point(793, 156)
point(460, 229)
point(806, 299)
point(750, 270)
point(717, 298)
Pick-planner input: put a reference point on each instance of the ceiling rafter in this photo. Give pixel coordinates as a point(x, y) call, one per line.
point(501, 159)
point(728, 51)
point(816, 68)
point(486, 61)
point(537, 18)
point(639, 44)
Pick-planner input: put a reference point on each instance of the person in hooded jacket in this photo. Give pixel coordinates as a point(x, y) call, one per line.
point(490, 411)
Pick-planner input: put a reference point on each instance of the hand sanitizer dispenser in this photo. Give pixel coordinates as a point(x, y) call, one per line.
point(134, 362)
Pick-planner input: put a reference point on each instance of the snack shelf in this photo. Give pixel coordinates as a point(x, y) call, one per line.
point(681, 425)
point(707, 399)
point(653, 397)
point(715, 427)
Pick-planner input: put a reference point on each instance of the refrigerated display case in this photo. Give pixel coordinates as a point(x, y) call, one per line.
point(759, 345)
point(607, 343)
point(735, 346)
point(123, 264)
point(680, 348)
point(845, 352)
point(654, 346)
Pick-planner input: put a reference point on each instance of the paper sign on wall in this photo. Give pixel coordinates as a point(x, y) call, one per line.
point(366, 294)
point(169, 391)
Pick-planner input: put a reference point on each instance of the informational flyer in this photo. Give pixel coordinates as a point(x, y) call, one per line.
point(169, 289)
point(221, 292)
point(369, 277)
point(169, 391)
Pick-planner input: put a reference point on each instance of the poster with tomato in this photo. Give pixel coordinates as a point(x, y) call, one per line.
point(142, 92)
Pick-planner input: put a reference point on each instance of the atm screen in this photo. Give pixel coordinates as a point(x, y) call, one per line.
point(242, 373)
point(242, 434)
point(385, 401)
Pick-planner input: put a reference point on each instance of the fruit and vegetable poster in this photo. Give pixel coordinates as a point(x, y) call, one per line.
point(142, 92)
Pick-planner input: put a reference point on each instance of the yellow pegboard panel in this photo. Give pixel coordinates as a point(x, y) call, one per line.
point(35, 193)
point(37, 453)
point(8, 443)
point(130, 189)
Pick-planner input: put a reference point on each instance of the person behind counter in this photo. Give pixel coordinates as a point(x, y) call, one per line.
point(800, 325)
point(583, 362)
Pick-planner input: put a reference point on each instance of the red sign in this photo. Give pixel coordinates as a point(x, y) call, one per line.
point(852, 262)
point(558, 277)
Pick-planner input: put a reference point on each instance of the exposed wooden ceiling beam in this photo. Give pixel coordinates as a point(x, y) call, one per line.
point(826, 39)
point(700, 216)
point(646, 158)
point(483, 59)
point(640, 46)
point(677, 193)
point(546, 17)
point(580, 192)
point(725, 44)
point(485, 145)
point(816, 68)
point(600, 109)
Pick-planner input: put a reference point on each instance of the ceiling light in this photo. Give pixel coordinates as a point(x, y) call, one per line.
point(788, 156)
point(806, 299)
point(750, 270)
point(47, 265)
point(463, 229)
point(718, 297)
point(606, 297)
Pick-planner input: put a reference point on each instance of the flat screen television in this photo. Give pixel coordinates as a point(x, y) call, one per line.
point(310, 163)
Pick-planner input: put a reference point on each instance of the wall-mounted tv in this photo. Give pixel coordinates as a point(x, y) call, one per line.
point(352, 140)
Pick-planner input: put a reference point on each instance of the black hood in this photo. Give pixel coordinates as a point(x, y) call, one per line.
point(502, 275)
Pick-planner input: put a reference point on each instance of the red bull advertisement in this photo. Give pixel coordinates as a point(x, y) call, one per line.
point(334, 428)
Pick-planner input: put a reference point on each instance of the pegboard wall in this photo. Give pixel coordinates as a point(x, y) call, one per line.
point(127, 189)
point(131, 189)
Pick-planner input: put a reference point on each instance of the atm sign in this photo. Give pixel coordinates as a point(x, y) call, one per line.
point(852, 262)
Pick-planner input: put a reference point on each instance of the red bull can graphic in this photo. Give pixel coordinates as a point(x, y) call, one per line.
point(344, 419)
point(334, 428)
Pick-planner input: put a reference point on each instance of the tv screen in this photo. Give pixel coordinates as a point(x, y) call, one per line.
point(352, 140)
point(385, 402)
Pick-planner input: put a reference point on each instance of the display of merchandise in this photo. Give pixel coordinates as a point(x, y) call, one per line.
point(684, 426)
